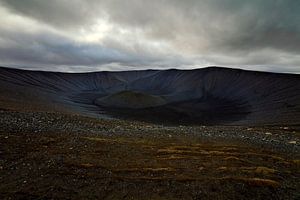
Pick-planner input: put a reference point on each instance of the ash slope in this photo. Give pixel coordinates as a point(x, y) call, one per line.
point(204, 96)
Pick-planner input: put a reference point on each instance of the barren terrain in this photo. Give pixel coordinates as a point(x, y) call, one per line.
point(55, 156)
point(197, 134)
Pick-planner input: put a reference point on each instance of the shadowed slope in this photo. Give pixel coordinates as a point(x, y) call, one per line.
point(130, 99)
point(204, 96)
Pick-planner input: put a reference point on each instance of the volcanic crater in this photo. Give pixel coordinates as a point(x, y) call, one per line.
point(210, 95)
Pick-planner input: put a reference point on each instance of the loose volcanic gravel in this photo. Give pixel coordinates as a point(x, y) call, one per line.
point(280, 138)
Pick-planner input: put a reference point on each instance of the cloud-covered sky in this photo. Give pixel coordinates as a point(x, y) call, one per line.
point(93, 35)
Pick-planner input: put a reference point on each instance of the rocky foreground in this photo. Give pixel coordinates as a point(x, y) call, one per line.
point(54, 156)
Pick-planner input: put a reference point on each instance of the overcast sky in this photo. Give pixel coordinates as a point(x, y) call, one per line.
point(95, 35)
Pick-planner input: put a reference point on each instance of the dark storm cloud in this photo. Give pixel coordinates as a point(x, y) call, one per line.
point(256, 34)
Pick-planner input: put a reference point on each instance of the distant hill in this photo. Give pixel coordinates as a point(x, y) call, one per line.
point(210, 95)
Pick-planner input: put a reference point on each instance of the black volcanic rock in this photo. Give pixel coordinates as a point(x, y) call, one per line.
point(204, 96)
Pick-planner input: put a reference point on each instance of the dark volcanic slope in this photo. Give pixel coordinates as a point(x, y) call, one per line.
point(203, 96)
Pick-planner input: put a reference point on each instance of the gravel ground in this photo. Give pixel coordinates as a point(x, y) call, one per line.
point(280, 138)
point(59, 156)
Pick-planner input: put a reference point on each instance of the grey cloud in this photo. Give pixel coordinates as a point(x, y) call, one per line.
point(60, 13)
point(48, 49)
point(222, 32)
point(216, 26)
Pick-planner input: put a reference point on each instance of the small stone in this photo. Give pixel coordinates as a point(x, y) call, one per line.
point(292, 142)
point(268, 133)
